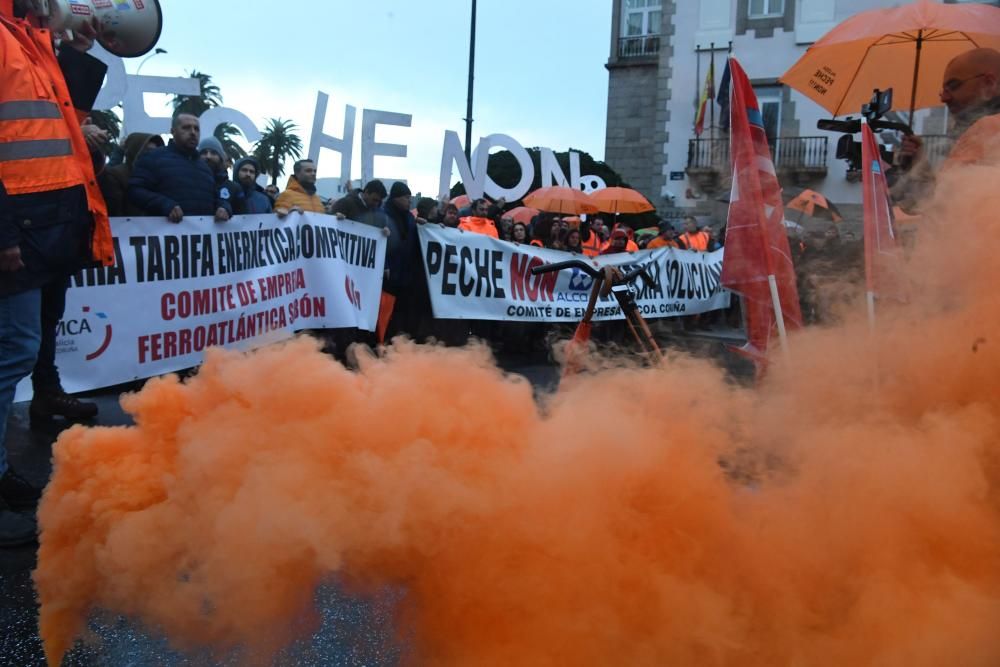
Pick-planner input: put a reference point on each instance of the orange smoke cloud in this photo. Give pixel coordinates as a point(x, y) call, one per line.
point(847, 512)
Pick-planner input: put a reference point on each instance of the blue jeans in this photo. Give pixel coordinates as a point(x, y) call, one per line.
point(20, 336)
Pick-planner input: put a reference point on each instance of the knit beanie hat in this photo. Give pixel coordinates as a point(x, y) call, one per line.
point(398, 189)
point(211, 144)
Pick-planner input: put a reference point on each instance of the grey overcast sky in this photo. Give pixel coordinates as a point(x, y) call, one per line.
point(540, 73)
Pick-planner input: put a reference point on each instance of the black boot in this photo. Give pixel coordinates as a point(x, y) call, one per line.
point(17, 492)
point(16, 530)
point(49, 403)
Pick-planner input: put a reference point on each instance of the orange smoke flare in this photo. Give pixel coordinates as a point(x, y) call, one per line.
point(657, 516)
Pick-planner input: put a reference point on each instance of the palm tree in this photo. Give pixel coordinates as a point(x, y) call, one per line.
point(225, 133)
point(278, 142)
point(209, 98)
point(196, 105)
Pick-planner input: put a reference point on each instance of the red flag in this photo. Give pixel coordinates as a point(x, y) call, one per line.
point(707, 96)
point(882, 251)
point(756, 240)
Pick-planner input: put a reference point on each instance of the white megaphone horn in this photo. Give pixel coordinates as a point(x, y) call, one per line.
point(126, 28)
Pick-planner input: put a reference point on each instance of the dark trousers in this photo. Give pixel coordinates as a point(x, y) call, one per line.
point(45, 375)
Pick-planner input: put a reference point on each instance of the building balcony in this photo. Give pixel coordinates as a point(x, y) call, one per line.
point(796, 159)
point(642, 46)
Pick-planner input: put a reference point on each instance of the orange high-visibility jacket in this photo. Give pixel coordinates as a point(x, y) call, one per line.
point(41, 144)
point(696, 241)
point(478, 226)
point(592, 246)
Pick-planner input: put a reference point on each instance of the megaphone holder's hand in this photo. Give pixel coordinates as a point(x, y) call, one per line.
point(82, 39)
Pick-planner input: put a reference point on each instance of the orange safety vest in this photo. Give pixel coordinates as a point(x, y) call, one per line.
point(660, 242)
point(592, 247)
point(478, 226)
point(696, 241)
point(41, 144)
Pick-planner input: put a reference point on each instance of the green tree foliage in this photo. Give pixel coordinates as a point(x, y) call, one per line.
point(196, 105)
point(226, 134)
point(278, 142)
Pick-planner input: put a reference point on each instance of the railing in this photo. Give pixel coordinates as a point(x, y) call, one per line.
point(799, 152)
point(638, 46)
point(787, 152)
point(708, 154)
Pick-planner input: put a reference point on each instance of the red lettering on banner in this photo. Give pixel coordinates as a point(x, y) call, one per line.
point(182, 342)
point(528, 287)
point(195, 303)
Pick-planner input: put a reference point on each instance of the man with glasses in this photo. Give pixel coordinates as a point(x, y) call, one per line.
point(970, 89)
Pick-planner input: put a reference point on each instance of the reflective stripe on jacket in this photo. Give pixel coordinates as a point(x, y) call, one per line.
point(42, 148)
point(696, 241)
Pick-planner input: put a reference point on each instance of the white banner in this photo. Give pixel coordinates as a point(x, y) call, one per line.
point(473, 276)
point(178, 289)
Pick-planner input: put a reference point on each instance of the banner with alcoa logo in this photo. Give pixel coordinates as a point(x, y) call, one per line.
point(178, 289)
point(473, 276)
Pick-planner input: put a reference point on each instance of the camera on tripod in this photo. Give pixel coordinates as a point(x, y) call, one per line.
point(848, 148)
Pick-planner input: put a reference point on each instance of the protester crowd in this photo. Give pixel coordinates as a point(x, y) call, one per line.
point(57, 191)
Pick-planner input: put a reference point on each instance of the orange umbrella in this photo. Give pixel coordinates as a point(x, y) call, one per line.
point(522, 214)
point(904, 48)
point(559, 199)
point(461, 201)
point(808, 201)
point(621, 200)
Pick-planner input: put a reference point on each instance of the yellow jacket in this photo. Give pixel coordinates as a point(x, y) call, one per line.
point(295, 195)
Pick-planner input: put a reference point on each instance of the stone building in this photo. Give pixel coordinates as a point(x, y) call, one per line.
point(660, 53)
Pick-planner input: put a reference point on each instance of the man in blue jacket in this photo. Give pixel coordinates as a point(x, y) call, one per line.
point(174, 181)
point(256, 200)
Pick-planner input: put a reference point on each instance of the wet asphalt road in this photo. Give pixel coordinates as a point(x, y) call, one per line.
point(353, 631)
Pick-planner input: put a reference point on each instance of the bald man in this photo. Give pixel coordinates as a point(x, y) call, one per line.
point(970, 88)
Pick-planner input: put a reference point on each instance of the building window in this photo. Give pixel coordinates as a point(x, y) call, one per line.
point(769, 99)
point(640, 28)
point(762, 9)
point(641, 17)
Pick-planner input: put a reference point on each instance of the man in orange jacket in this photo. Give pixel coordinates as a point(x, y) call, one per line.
point(53, 219)
point(692, 239)
point(479, 222)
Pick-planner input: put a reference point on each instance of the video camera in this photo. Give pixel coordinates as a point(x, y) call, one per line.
point(848, 148)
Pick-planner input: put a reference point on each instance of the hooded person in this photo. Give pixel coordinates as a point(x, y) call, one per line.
point(404, 278)
point(114, 180)
point(255, 199)
point(300, 193)
point(231, 195)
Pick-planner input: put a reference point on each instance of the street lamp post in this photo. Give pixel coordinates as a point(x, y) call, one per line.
point(472, 70)
point(155, 52)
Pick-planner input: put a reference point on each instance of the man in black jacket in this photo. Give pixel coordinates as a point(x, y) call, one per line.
point(211, 151)
point(360, 205)
point(174, 181)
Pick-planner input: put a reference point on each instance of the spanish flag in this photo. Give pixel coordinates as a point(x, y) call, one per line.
point(707, 97)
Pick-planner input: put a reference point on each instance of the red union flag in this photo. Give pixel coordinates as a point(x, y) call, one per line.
point(756, 240)
point(882, 252)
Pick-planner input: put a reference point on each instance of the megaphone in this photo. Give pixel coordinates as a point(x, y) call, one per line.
point(126, 28)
